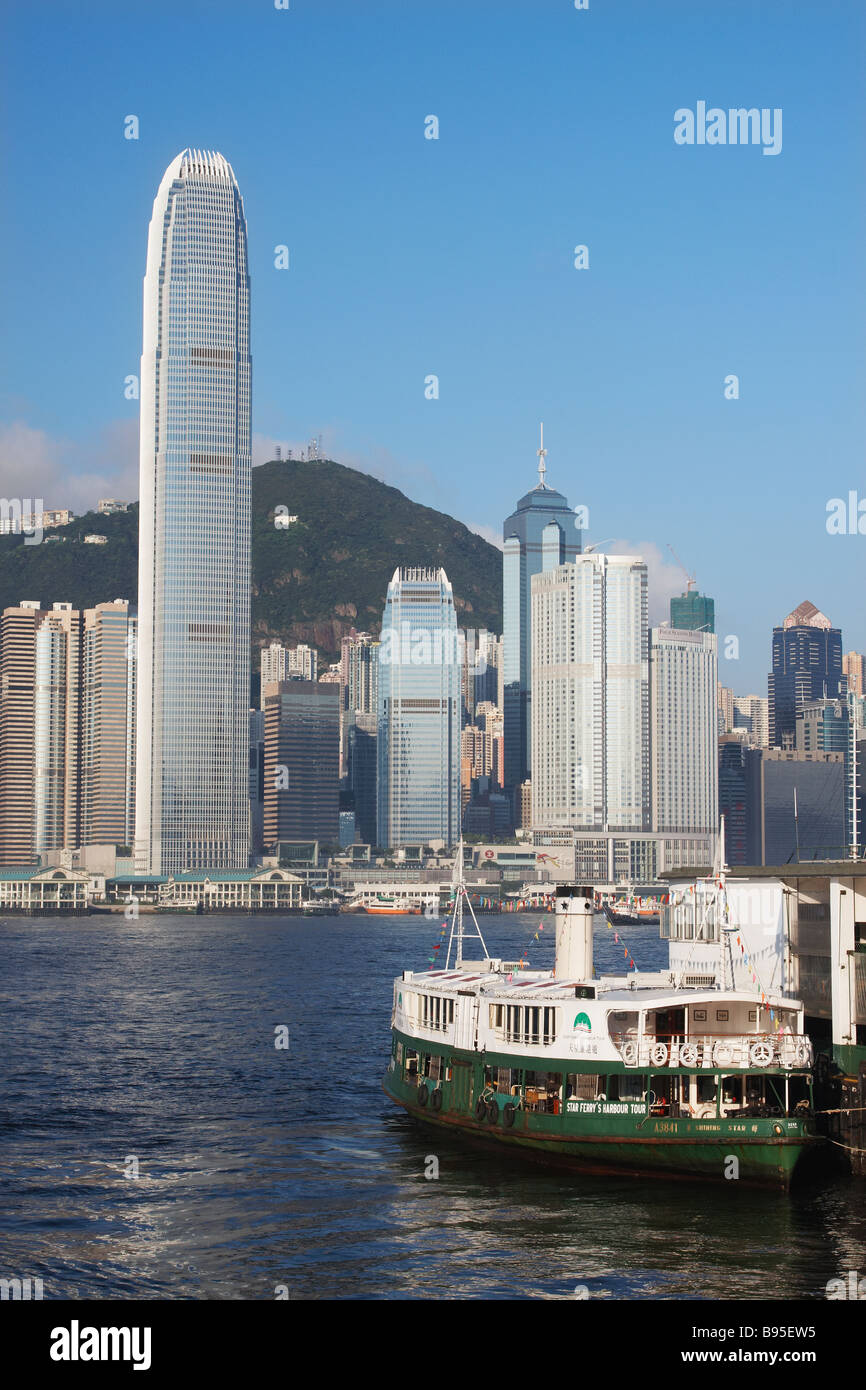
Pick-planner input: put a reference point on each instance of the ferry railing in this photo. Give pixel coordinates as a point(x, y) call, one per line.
point(751, 1050)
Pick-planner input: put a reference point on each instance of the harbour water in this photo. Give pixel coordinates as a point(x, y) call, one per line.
point(157, 1144)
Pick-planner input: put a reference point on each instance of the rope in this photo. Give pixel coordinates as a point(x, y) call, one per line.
point(850, 1147)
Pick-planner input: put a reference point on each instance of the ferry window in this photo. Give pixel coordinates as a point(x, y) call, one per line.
point(632, 1087)
point(398, 1053)
point(433, 1068)
point(732, 1090)
point(721, 1015)
point(506, 1079)
point(706, 1090)
point(411, 1063)
point(753, 1015)
point(582, 1085)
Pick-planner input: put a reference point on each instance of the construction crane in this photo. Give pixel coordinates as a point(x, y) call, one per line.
point(691, 581)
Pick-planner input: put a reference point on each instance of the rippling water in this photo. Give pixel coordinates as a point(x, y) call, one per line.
point(154, 1040)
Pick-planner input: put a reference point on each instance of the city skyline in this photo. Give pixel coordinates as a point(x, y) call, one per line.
point(625, 364)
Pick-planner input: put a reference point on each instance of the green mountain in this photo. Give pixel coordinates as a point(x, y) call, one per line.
point(312, 580)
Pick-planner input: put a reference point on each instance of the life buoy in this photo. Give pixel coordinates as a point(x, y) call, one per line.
point(423, 1094)
point(659, 1054)
point(689, 1054)
point(436, 1099)
point(508, 1114)
point(723, 1054)
point(492, 1112)
point(629, 1054)
point(480, 1109)
point(761, 1053)
point(803, 1054)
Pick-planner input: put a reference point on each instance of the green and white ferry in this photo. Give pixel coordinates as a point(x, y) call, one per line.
point(640, 1073)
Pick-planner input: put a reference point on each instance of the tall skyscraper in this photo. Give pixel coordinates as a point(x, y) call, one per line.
point(108, 705)
point(539, 535)
point(807, 665)
point(56, 785)
point(192, 805)
point(419, 712)
point(359, 686)
point(683, 730)
point(301, 767)
point(18, 628)
point(693, 612)
point(590, 718)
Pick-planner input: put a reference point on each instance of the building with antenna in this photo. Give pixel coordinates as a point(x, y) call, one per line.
point(539, 535)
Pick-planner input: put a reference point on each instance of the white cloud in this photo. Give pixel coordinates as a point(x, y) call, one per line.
point(69, 473)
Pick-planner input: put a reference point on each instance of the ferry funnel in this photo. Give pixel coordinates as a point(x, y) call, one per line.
point(574, 914)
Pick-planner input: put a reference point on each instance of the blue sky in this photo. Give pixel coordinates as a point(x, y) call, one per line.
point(454, 257)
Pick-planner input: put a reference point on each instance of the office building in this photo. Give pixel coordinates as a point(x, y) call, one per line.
point(419, 712)
point(301, 762)
point(192, 793)
point(807, 665)
point(683, 730)
point(540, 534)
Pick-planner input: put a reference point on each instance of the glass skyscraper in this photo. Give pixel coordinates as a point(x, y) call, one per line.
point(539, 535)
point(807, 665)
point(419, 712)
point(192, 807)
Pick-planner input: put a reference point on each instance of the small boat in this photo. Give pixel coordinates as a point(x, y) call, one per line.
point(388, 907)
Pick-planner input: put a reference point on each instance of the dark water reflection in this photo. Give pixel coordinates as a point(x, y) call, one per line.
point(154, 1041)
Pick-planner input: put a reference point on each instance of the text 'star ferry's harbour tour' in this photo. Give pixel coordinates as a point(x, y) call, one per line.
point(639, 1073)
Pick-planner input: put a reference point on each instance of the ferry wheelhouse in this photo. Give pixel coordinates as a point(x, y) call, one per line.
point(645, 1072)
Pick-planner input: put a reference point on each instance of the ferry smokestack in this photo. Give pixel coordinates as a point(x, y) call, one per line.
point(574, 914)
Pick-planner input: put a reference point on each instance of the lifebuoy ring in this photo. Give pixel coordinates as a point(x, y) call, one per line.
point(723, 1054)
point(480, 1109)
point(659, 1054)
point(492, 1112)
point(508, 1114)
point(689, 1055)
point(761, 1053)
point(423, 1094)
point(803, 1054)
point(629, 1054)
point(436, 1099)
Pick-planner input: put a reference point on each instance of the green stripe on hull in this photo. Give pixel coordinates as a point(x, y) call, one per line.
point(767, 1150)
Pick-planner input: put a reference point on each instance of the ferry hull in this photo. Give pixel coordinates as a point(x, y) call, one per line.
point(768, 1152)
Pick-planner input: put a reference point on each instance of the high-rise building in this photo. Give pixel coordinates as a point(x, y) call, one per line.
point(726, 709)
point(419, 712)
point(192, 802)
point(359, 681)
point(590, 711)
point(279, 663)
point(807, 665)
point(752, 713)
point(693, 612)
point(540, 535)
point(301, 767)
point(18, 628)
point(257, 781)
point(108, 707)
point(683, 730)
point(56, 748)
point(362, 773)
point(854, 672)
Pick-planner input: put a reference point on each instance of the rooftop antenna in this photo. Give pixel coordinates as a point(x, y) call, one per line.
point(457, 931)
point(542, 455)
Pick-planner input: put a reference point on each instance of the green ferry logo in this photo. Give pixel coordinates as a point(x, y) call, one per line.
point(582, 1023)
